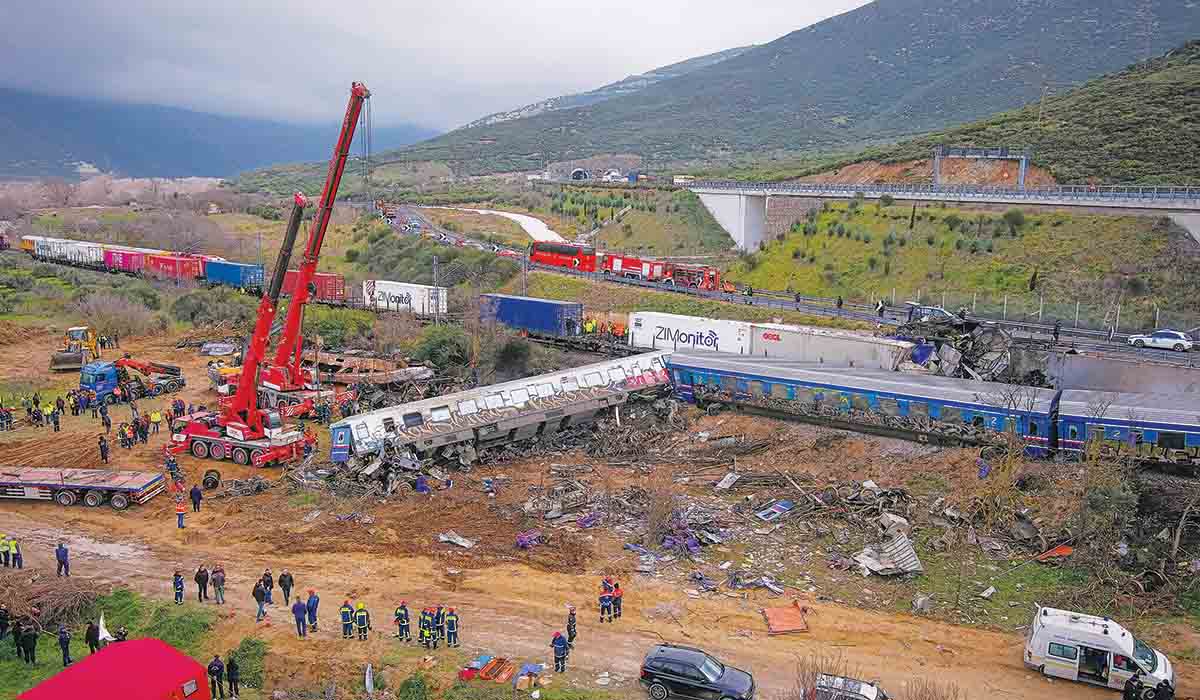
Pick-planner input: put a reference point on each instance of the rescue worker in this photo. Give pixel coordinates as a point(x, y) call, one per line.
point(92, 637)
point(606, 584)
point(155, 420)
point(201, 579)
point(177, 584)
point(451, 628)
point(347, 613)
point(5, 618)
point(616, 599)
point(571, 626)
point(29, 640)
point(401, 620)
point(63, 557)
point(216, 676)
point(300, 612)
point(311, 607)
point(362, 620)
point(180, 511)
point(103, 450)
point(260, 596)
point(439, 621)
point(14, 553)
point(218, 583)
point(606, 605)
point(559, 643)
point(285, 584)
point(197, 496)
point(423, 627)
point(4, 550)
point(64, 643)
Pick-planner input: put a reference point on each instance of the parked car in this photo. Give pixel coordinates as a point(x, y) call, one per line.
point(687, 672)
point(1165, 339)
point(829, 687)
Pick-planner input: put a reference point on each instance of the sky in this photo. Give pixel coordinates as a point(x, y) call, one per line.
point(439, 64)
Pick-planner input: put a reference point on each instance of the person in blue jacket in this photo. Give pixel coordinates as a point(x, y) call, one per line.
point(560, 652)
point(310, 607)
point(178, 586)
point(347, 613)
point(606, 608)
point(64, 559)
point(300, 612)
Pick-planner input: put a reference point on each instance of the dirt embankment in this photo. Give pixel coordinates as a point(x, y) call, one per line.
point(955, 171)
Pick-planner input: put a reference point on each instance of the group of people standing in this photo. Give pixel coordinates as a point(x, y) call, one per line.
point(610, 601)
point(435, 623)
point(10, 552)
point(220, 672)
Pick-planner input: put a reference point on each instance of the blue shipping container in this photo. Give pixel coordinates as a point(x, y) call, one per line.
point(232, 274)
point(545, 316)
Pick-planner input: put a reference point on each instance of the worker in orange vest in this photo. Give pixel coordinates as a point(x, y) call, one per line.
point(180, 510)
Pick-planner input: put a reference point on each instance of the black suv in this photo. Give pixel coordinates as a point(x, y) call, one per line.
point(687, 672)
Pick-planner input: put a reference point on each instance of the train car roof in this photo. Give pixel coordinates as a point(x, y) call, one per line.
point(1173, 409)
point(910, 384)
point(643, 359)
point(556, 302)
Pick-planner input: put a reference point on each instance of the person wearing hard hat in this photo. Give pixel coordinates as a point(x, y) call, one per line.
point(560, 652)
point(362, 620)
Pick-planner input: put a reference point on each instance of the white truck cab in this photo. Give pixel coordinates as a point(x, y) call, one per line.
point(1092, 649)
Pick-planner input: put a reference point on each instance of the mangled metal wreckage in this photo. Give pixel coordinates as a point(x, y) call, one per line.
point(454, 428)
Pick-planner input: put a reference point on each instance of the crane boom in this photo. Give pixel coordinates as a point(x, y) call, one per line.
point(286, 368)
point(243, 406)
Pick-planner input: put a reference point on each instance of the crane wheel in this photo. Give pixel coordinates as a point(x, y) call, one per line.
point(241, 456)
point(216, 451)
point(200, 449)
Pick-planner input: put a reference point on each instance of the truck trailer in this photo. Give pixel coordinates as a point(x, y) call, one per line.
point(93, 487)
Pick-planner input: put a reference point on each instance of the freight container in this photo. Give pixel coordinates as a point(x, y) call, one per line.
point(658, 331)
point(174, 267)
point(635, 268)
point(331, 288)
point(420, 299)
point(120, 260)
point(29, 244)
point(543, 316)
point(232, 274)
point(828, 347)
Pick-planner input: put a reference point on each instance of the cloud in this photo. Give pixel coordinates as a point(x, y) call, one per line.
point(438, 64)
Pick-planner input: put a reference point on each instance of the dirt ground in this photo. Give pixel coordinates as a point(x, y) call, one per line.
point(511, 601)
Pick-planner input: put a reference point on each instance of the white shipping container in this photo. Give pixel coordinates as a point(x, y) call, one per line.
point(386, 295)
point(659, 331)
point(827, 346)
point(79, 253)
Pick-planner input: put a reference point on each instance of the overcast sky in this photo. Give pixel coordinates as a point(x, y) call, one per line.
point(438, 63)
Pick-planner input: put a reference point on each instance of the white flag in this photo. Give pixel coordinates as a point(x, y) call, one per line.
point(104, 635)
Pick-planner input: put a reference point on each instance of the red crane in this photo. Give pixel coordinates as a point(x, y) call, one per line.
point(285, 373)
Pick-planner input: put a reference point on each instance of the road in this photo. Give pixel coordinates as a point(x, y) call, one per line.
point(533, 226)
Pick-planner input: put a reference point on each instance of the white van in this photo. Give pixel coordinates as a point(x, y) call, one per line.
point(1091, 649)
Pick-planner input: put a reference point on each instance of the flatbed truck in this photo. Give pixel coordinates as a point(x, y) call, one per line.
point(92, 487)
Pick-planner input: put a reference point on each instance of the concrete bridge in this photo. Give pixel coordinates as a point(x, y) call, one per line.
point(741, 207)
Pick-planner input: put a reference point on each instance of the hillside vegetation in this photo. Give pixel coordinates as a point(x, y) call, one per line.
point(864, 252)
point(1140, 125)
point(886, 70)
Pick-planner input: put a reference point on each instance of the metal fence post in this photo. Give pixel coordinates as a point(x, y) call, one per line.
point(974, 299)
point(1076, 313)
point(1041, 305)
point(943, 300)
point(1117, 325)
point(893, 296)
point(437, 294)
point(1156, 316)
point(1005, 314)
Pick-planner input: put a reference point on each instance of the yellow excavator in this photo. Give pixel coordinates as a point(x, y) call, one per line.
point(80, 346)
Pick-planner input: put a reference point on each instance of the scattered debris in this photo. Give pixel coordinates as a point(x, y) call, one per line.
point(922, 604)
point(453, 537)
point(987, 593)
point(893, 556)
point(244, 487)
point(786, 620)
point(528, 539)
point(1059, 552)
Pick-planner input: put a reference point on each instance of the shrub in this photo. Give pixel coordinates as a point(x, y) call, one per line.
point(351, 254)
point(887, 267)
point(211, 305)
point(958, 244)
point(990, 246)
point(953, 221)
point(1015, 218)
point(443, 346)
point(250, 654)
point(872, 263)
point(974, 247)
point(110, 312)
point(887, 200)
point(930, 240)
point(797, 253)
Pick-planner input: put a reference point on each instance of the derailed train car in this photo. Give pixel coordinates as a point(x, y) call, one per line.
point(1150, 428)
point(456, 425)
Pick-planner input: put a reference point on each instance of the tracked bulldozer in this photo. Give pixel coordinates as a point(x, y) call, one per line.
point(80, 346)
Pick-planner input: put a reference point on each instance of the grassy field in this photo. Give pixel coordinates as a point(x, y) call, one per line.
point(865, 251)
point(183, 627)
point(488, 227)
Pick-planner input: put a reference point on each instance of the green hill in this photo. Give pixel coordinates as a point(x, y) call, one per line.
point(1140, 125)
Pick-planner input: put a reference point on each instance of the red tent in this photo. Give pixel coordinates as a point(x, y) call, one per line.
point(140, 669)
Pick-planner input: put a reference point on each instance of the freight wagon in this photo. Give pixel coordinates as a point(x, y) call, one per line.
point(827, 347)
point(658, 331)
point(331, 288)
point(91, 486)
point(128, 261)
point(533, 315)
point(236, 275)
point(174, 267)
point(420, 299)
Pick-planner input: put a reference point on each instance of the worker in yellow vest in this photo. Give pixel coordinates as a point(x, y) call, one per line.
point(155, 420)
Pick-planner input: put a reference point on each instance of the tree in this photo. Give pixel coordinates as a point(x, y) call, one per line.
point(886, 200)
point(1015, 218)
point(953, 221)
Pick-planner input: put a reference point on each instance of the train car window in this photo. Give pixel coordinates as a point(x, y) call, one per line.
point(494, 401)
point(743, 386)
point(1073, 432)
point(951, 414)
point(977, 421)
point(616, 375)
point(1136, 436)
point(468, 407)
point(1171, 441)
point(1033, 427)
point(714, 381)
point(860, 402)
point(569, 384)
point(519, 397)
point(729, 383)
point(546, 390)
point(362, 432)
point(889, 407)
point(594, 379)
point(389, 425)
point(1095, 432)
point(779, 391)
point(413, 420)
point(757, 388)
point(1010, 425)
point(439, 414)
point(918, 408)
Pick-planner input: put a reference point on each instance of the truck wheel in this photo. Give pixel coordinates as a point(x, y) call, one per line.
point(119, 501)
point(91, 499)
point(200, 449)
point(172, 387)
point(216, 451)
point(241, 456)
point(156, 390)
point(65, 498)
point(255, 454)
